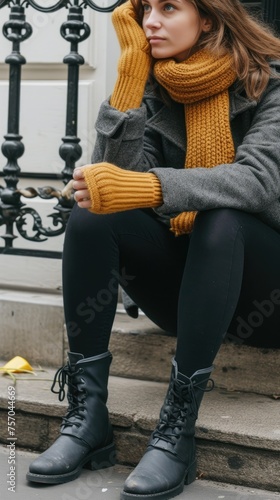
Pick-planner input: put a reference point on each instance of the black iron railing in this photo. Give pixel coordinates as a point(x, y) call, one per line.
point(13, 211)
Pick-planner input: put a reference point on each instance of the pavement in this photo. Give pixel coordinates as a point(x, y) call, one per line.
point(102, 485)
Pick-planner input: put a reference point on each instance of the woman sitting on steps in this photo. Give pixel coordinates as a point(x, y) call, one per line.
point(182, 207)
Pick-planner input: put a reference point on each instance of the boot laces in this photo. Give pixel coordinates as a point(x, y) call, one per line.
point(181, 402)
point(75, 395)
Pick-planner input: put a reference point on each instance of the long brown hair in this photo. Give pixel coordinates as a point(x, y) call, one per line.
point(251, 42)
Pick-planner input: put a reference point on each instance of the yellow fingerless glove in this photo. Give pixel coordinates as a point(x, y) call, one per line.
point(113, 189)
point(135, 60)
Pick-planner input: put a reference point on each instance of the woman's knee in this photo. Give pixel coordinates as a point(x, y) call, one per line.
point(83, 223)
point(213, 227)
point(219, 216)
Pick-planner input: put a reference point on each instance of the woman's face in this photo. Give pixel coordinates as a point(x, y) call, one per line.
point(172, 27)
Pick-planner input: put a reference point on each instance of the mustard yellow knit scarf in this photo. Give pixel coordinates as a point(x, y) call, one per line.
point(201, 83)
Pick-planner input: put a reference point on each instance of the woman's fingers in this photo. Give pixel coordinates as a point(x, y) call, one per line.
point(84, 204)
point(79, 185)
point(81, 195)
point(78, 174)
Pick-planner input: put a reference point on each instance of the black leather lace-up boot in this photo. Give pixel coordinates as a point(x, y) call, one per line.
point(170, 458)
point(86, 435)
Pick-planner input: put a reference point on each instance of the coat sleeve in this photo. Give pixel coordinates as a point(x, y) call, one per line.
point(124, 139)
point(251, 183)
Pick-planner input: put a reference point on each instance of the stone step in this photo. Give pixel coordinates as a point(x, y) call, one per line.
point(143, 351)
point(238, 434)
point(32, 326)
point(108, 483)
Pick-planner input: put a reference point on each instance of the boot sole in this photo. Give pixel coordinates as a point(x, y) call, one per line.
point(164, 495)
point(98, 459)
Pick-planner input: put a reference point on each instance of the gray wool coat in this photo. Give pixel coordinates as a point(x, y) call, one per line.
point(153, 138)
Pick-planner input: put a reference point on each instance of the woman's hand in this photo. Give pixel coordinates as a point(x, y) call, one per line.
point(82, 195)
point(134, 62)
point(104, 188)
point(130, 34)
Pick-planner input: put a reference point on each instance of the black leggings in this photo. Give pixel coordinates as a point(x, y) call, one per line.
point(224, 278)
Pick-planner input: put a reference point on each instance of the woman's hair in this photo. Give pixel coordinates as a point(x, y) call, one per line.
point(251, 42)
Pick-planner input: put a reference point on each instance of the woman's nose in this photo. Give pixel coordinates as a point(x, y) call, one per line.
point(152, 20)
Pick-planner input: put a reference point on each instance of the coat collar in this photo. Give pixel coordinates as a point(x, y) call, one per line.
point(166, 121)
point(239, 103)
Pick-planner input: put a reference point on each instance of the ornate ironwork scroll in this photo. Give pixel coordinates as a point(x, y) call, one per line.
point(13, 212)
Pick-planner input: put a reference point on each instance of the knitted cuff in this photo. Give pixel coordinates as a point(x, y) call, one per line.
point(183, 223)
point(133, 72)
point(113, 189)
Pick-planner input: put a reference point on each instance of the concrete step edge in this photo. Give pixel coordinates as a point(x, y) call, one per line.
point(238, 435)
point(32, 326)
point(224, 415)
point(143, 351)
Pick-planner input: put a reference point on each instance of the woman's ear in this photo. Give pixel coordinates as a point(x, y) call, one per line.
point(206, 24)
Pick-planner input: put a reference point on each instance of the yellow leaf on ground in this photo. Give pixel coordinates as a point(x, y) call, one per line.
point(17, 365)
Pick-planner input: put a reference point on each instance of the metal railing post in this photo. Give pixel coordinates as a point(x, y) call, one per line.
point(15, 30)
